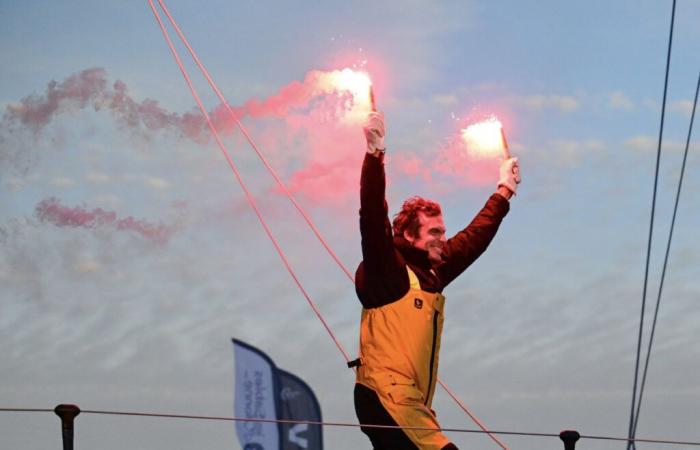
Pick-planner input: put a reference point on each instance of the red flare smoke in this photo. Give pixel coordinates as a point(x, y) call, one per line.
point(51, 210)
point(90, 88)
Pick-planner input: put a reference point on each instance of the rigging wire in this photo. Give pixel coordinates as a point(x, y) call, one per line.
point(471, 415)
point(342, 424)
point(668, 250)
point(270, 169)
point(632, 424)
point(293, 200)
point(248, 194)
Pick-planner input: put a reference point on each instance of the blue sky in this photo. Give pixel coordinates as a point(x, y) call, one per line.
point(540, 333)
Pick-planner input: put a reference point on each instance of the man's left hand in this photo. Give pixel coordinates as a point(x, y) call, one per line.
point(510, 175)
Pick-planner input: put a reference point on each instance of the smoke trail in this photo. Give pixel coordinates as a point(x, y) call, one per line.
point(90, 89)
point(320, 120)
point(464, 169)
point(346, 84)
point(149, 116)
point(52, 211)
point(312, 127)
point(36, 112)
point(318, 115)
point(338, 95)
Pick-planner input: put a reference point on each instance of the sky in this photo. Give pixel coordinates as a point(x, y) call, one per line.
point(130, 256)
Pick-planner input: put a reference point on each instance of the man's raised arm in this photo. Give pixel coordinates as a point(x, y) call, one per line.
point(377, 243)
point(467, 245)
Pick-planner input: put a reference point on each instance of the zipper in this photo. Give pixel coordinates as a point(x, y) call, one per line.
point(432, 355)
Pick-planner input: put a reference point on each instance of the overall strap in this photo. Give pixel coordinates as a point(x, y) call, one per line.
point(413, 279)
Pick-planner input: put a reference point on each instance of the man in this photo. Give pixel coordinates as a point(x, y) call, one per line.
point(399, 283)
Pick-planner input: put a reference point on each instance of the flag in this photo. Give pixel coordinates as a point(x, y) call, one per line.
point(298, 402)
point(255, 397)
point(262, 391)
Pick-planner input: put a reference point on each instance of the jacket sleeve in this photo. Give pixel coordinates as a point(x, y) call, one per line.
point(467, 245)
point(382, 275)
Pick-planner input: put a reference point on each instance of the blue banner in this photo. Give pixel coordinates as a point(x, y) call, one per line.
point(262, 391)
point(298, 402)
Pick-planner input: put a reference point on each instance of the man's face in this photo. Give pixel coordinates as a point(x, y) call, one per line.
point(431, 236)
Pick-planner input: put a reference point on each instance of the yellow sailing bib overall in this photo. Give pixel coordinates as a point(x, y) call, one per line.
point(399, 351)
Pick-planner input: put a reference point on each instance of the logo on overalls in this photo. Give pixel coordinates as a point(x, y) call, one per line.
point(418, 303)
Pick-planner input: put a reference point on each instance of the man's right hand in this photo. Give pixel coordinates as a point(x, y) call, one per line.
point(374, 133)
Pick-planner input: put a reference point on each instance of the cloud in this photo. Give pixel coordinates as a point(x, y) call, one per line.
point(101, 178)
point(87, 266)
point(98, 178)
point(646, 143)
point(569, 153)
point(157, 183)
point(683, 107)
point(445, 99)
point(618, 100)
point(62, 182)
point(108, 199)
point(641, 143)
point(561, 103)
point(51, 210)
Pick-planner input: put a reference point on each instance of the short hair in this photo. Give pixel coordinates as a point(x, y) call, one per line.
point(407, 218)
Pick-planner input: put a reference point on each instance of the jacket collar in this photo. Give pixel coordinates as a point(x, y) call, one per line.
point(415, 256)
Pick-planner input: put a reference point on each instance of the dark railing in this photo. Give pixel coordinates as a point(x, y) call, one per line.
point(68, 412)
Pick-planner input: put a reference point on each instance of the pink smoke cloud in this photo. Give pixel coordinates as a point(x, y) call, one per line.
point(90, 89)
point(36, 112)
point(462, 168)
point(321, 93)
point(312, 125)
point(296, 94)
point(327, 182)
point(316, 119)
point(52, 211)
point(311, 129)
point(412, 165)
point(328, 120)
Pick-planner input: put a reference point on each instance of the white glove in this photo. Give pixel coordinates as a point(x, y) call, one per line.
point(510, 174)
point(374, 132)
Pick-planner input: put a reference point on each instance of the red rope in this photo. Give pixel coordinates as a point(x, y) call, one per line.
point(248, 195)
point(272, 171)
point(286, 191)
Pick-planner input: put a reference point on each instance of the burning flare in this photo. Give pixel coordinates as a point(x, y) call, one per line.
point(356, 83)
point(485, 139)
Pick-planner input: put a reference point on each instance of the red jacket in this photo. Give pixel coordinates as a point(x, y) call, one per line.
point(381, 277)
